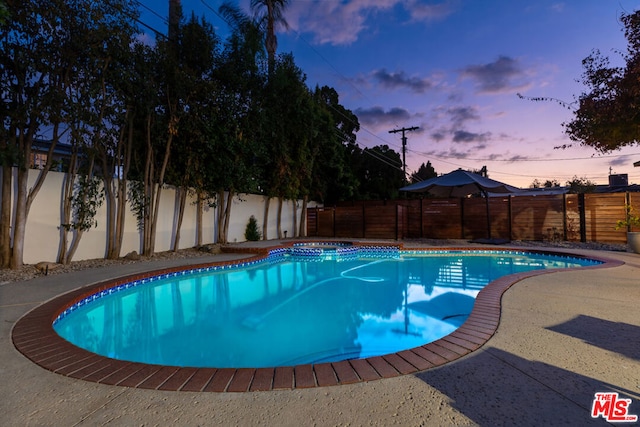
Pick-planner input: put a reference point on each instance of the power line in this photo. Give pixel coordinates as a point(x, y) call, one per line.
point(164, 19)
point(404, 145)
point(528, 159)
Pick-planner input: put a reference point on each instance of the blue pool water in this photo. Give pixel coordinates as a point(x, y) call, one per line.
point(301, 305)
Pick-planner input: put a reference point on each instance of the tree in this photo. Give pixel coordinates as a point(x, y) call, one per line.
point(198, 50)
point(269, 14)
point(549, 183)
point(287, 132)
point(380, 173)
point(43, 52)
point(580, 185)
point(236, 126)
point(333, 177)
point(424, 172)
point(609, 110)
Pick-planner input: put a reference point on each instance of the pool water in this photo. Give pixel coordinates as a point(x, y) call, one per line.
point(294, 309)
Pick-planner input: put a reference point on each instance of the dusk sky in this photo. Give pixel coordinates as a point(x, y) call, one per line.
point(454, 68)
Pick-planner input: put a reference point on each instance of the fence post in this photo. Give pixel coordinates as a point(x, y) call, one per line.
point(421, 217)
point(397, 208)
point(583, 217)
point(564, 217)
point(461, 217)
point(510, 214)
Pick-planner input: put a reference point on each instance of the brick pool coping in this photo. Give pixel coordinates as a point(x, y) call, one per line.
point(33, 335)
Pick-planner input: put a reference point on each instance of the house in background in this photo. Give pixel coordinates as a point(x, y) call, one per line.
point(40, 151)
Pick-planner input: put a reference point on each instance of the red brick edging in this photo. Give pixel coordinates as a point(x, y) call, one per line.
point(33, 335)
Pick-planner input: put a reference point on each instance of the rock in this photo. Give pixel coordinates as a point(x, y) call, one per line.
point(212, 249)
point(45, 266)
point(133, 256)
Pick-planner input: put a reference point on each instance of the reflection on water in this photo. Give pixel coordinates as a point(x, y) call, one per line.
point(292, 312)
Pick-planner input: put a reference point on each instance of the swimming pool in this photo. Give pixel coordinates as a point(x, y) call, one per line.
point(33, 336)
point(306, 304)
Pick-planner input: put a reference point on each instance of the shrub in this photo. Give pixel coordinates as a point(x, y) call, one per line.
point(252, 233)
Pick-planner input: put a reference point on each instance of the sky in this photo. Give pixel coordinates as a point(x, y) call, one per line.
point(454, 69)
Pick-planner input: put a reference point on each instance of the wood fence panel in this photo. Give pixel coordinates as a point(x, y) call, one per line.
point(402, 215)
point(537, 217)
point(312, 222)
point(441, 219)
point(325, 222)
point(589, 217)
point(349, 222)
point(474, 218)
point(414, 222)
point(499, 213)
point(381, 222)
point(602, 211)
point(572, 217)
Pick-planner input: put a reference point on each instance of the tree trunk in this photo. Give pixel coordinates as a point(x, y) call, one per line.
point(26, 196)
point(20, 219)
point(181, 195)
point(222, 238)
point(265, 223)
point(110, 196)
point(156, 206)
point(279, 219)
point(227, 213)
point(67, 196)
point(148, 192)
point(116, 248)
point(77, 235)
point(5, 216)
point(294, 232)
point(199, 209)
point(303, 217)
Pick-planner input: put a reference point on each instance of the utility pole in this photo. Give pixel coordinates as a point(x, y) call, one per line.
point(404, 146)
point(175, 12)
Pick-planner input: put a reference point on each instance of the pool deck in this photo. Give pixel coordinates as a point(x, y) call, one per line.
point(561, 338)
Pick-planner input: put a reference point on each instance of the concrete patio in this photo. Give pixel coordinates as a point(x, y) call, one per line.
point(562, 337)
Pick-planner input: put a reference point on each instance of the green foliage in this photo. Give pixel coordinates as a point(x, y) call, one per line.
point(549, 183)
point(424, 172)
point(631, 219)
point(87, 198)
point(580, 185)
point(138, 200)
point(252, 232)
point(607, 116)
point(4, 13)
point(379, 173)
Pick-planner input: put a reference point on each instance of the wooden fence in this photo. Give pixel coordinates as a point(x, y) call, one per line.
point(572, 217)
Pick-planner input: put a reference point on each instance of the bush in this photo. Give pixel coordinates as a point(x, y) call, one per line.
point(252, 233)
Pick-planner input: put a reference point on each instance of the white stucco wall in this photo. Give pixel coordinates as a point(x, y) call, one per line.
point(42, 237)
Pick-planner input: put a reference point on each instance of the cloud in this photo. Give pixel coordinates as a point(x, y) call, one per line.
point(376, 116)
point(460, 115)
point(421, 11)
point(400, 80)
point(496, 77)
point(621, 161)
point(466, 137)
point(342, 22)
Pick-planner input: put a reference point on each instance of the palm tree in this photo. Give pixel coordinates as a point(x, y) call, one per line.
point(268, 14)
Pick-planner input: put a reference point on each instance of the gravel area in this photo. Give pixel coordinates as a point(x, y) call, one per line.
point(30, 271)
